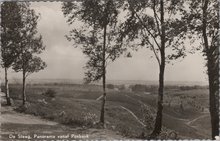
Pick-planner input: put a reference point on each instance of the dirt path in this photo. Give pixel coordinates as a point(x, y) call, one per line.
point(10, 116)
point(18, 123)
point(137, 119)
point(194, 120)
point(187, 122)
point(99, 97)
point(142, 103)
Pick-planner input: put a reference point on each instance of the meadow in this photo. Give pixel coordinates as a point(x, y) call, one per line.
point(129, 113)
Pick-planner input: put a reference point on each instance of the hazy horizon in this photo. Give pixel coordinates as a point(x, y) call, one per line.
point(116, 82)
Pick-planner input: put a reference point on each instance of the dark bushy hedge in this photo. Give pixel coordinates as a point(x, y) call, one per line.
point(50, 93)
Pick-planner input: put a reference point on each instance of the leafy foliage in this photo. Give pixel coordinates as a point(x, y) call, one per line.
point(50, 93)
point(157, 25)
point(11, 25)
point(193, 15)
point(148, 115)
point(202, 18)
point(144, 23)
point(30, 44)
point(94, 16)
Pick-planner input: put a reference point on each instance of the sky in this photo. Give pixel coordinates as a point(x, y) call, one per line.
point(66, 62)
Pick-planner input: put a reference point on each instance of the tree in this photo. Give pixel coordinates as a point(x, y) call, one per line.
point(157, 25)
point(31, 44)
point(10, 29)
point(97, 37)
point(202, 17)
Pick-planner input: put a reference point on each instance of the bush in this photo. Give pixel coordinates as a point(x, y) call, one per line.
point(168, 135)
point(22, 108)
point(138, 88)
point(2, 88)
point(50, 93)
point(81, 120)
point(110, 86)
point(121, 87)
point(89, 119)
point(72, 121)
point(124, 131)
point(147, 116)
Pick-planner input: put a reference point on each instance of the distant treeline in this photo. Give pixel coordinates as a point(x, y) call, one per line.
point(122, 87)
point(151, 88)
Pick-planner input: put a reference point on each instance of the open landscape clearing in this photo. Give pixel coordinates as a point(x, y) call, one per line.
point(25, 127)
point(128, 113)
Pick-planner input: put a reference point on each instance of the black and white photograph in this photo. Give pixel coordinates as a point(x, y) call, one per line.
point(109, 70)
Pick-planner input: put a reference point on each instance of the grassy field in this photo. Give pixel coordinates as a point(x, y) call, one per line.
point(76, 105)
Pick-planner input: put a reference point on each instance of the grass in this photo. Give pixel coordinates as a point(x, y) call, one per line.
point(206, 124)
point(76, 105)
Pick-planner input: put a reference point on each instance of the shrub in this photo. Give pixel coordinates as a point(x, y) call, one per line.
point(127, 132)
point(2, 88)
point(73, 121)
point(147, 116)
point(50, 93)
point(81, 120)
point(121, 87)
point(22, 108)
point(110, 86)
point(168, 135)
point(89, 119)
point(138, 88)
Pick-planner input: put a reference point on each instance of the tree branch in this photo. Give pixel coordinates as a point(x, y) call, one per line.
point(145, 26)
point(147, 30)
point(27, 74)
point(109, 54)
point(156, 18)
point(213, 47)
point(215, 35)
point(154, 50)
point(204, 23)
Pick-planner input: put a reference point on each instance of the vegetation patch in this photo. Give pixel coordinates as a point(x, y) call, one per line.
point(50, 93)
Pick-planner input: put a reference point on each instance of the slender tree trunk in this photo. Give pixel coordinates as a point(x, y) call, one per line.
point(102, 116)
point(213, 95)
point(211, 52)
point(159, 116)
point(7, 88)
point(24, 88)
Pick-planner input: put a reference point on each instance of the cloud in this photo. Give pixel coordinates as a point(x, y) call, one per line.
point(65, 61)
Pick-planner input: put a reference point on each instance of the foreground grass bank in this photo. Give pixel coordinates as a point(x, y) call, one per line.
point(130, 114)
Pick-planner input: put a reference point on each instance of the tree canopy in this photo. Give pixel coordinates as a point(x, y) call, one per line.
point(144, 23)
point(94, 16)
point(30, 43)
point(11, 24)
